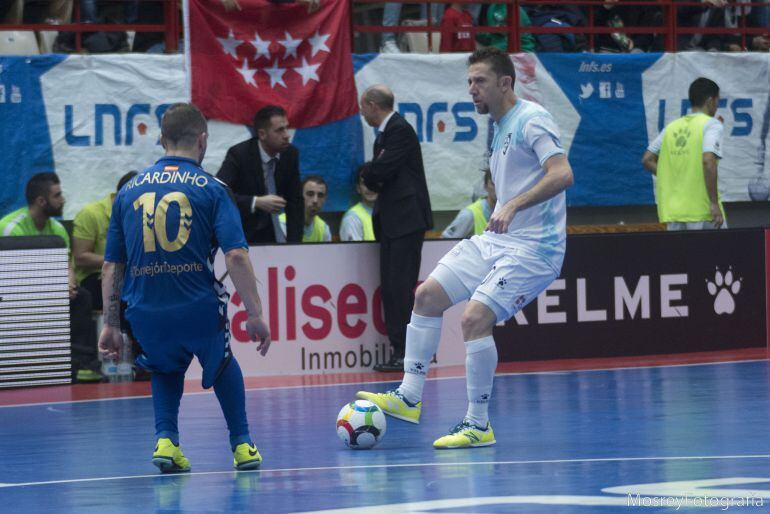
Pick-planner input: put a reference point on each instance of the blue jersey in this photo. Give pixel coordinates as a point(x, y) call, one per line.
point(166, 225)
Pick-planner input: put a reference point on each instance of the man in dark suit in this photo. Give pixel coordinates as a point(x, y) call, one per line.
point(401, 214)
point(263, 173)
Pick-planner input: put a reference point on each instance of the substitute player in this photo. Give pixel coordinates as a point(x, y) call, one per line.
point(503, 269)
point(166, 226)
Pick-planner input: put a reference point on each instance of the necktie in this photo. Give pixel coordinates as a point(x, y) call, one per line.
point(271, 190)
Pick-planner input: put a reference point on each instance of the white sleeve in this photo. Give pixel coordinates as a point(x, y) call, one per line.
point(461, 226)
point(542, 135)
point(327, 234)
point(712, 137)
point(656, 143)
point(351, 228)
point(282, 222)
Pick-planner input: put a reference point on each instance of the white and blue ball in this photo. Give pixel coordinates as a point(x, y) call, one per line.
point(361, 425)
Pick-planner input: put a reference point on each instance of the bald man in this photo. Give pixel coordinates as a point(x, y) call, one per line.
point(401, 215)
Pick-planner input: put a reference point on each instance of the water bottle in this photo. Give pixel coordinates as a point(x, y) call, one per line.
point(110, 369)
point(124, 369)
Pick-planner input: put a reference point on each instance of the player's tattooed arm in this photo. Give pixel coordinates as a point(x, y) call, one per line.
point(112, 287)
point(110, 338)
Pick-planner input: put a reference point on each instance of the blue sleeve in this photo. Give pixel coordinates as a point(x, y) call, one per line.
point(115, 250)
point(227, 222)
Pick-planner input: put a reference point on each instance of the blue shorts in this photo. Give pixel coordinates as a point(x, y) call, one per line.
point(167, 349)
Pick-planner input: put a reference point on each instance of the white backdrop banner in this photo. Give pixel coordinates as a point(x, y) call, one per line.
point(93, 118)
point(106, 121)
point(322, 303)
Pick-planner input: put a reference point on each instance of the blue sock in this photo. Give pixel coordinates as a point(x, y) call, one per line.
point(232, 398)
point(167, 389)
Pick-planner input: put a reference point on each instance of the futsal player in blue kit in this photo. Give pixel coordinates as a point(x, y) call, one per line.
point(166, 226)
point(500, 271)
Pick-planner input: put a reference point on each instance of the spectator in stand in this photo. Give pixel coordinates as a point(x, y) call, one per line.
point(357, 224)
point(98, 42)
point(5, 8)
point(150, 42)
point(89, 239)
point(455, 36)
point(88, 12)
point(390, 17)
point(710, 14)
point(613, 14)
point(314, 192)
point(756, 16)
point(558, 15)
point(44, 202)
point(473, 219)
point(497, 16)
point(760, 17)
point(55, 12)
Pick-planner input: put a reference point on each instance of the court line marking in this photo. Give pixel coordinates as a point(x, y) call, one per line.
point(403, 465)
point(459, 377)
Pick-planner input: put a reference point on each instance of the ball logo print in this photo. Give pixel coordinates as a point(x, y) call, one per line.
point(361, 425)
point(724, 288)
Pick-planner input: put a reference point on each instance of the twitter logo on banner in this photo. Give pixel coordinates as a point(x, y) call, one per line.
point(606, 92)
point(586, 90)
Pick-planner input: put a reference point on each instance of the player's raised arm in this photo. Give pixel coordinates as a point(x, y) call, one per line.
point(242, 274)
point(558, 177)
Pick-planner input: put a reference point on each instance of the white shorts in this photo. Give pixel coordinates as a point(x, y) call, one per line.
point(502, 278)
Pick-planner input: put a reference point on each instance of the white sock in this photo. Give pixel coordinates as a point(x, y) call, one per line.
point(422, 338)
point(480, 365)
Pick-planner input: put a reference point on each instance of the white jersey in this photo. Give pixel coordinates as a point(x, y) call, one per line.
point(524, 139)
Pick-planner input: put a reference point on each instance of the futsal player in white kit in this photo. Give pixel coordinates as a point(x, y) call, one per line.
point(500, 271)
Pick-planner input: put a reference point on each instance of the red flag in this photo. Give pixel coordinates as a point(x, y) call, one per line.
point(272, 53)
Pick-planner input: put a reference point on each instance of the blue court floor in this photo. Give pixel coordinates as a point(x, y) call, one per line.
point(661, 439)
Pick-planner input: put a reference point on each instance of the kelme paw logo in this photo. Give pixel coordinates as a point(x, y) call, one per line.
point(724, 288)
point(681, 136)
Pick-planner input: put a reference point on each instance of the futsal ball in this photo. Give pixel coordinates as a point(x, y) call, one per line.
point(361, 425)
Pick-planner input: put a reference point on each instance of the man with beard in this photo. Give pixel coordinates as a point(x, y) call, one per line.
point(263, 173)
point(314, 193)
point(44, 202)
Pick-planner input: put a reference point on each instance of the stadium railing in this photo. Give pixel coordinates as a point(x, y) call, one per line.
point(170, 26)
point(670, 28)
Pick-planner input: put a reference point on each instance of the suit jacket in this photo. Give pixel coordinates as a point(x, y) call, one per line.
point(242, 171)
point(397, 174)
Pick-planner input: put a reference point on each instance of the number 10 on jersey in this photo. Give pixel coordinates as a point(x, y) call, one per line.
point(154, 220)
